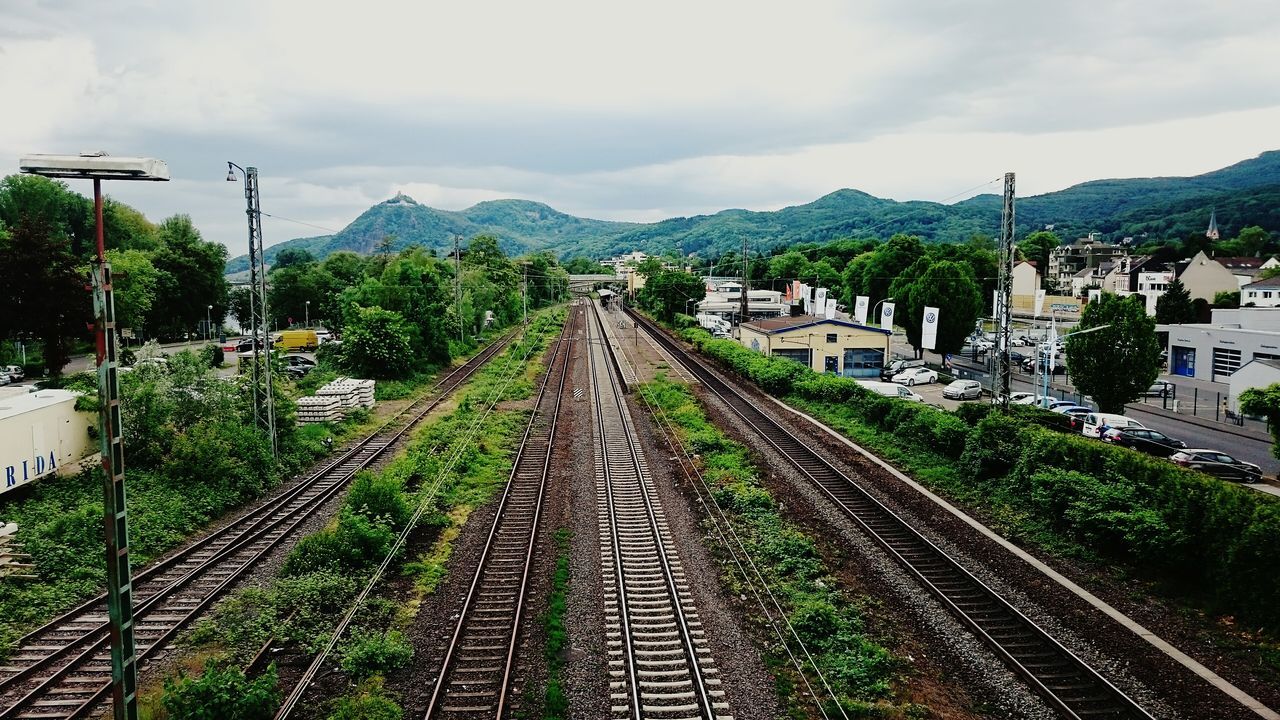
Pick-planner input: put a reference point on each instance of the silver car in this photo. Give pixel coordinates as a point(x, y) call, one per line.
point(963, 390)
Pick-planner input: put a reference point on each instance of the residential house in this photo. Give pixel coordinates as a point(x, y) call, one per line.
point(1262, 293)
point(1206, 276)
point(1026, 278)
point(1066, 261)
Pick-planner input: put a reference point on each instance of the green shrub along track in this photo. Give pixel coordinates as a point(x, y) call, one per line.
point(68, 653)
point(1066, 682)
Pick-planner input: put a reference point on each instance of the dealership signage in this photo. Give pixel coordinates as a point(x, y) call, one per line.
point(19, 472)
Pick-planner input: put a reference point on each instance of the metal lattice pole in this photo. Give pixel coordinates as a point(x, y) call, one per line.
point(264, 413)
point(124, 657)
point(1004, 311)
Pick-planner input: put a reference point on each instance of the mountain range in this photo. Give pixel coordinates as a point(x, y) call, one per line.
point(1246, 193)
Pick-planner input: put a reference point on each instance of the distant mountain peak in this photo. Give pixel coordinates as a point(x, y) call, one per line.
point(400, 199)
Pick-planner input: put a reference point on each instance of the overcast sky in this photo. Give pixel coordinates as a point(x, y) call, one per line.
point(636, 111)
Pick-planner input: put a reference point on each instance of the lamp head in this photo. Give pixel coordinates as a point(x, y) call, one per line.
point(231, 173)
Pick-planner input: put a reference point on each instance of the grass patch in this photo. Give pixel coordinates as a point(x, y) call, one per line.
point(828, 621)
point(555, 702)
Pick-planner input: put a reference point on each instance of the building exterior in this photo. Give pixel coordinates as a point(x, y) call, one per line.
point(726, 302)
point(1026, 278)
point(1206, 276)
point(1066, 261)
point(1254, 374)
point(833, 346)
point(1213, 351)
point(40, 434)
point(1262, 293)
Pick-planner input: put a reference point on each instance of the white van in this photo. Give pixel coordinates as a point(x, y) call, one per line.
point(1095, 423)
point(888, 389)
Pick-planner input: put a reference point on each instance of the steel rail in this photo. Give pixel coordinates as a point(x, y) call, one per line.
point(704, 706)
point(268, 525)
point(1070, 685)
point(517, 515)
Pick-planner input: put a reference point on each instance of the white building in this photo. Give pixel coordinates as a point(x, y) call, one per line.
point(1026, 278)
point(1215, 350)
point(40, 433)
point(1257, 373)
point(726, 302)
point(1263, 293)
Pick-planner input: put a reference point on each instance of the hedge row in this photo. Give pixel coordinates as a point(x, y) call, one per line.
point(1209, 539)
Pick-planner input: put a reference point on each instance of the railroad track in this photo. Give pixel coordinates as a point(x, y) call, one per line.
point(476, 672)
point(63, 669)
point(1069, 684)
point(659, 663)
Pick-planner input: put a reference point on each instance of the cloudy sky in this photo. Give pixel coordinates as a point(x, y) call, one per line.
point(635, 111)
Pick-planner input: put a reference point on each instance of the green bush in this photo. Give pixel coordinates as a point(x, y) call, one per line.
point(378, 497)
point(368, 654)
point(221, 694)
point(355, 545)
point(212, 355)
point(371, 701)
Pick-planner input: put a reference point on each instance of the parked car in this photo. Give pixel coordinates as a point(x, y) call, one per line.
point(963, 390)
point(1077, 415)
point(916, 376)
point(296, 340)
point(1059, 366)
point(889, 389)
point(1022, 398)
point(1052, 404)
point(4, 379)
point(299, 361)
point(898, 366)
point(246, 345)
point(1097, 423)
point(1218, 464)
point(1070, 407)
point(1016, 357)
point(14, 372)
point(1152, 442)
point(1161, 389)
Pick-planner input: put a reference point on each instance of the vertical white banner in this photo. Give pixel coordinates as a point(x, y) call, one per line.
point(886, 317)
point(1039, 302)
point(819, 301)
point(830, 311)
point(929, 329)
point(860, 309)
point(996, 306)
point(804, 295)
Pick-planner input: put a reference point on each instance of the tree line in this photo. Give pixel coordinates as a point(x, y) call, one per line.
point(165, 275)
point(397, 312)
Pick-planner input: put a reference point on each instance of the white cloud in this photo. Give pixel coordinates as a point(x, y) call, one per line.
point(636, 111)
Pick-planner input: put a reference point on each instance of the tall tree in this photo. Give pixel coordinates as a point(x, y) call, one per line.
point(1116, 364)
point(1175, 306)
point(872, 276)
point(41, 286)
point(1036, 248)
point(947, 285)
point(191, 279)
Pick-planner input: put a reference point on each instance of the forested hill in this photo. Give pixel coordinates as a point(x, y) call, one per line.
point(1247, 193)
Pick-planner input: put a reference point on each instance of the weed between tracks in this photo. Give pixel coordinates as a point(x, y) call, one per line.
point(454, 464)
point(555, 703)
point(828, 622)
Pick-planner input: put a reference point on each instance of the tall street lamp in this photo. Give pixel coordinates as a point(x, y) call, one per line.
point(307, 310)
point(208, 323)
point(98, 167)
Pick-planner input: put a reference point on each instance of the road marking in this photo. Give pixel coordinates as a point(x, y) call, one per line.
point(1164, 646)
